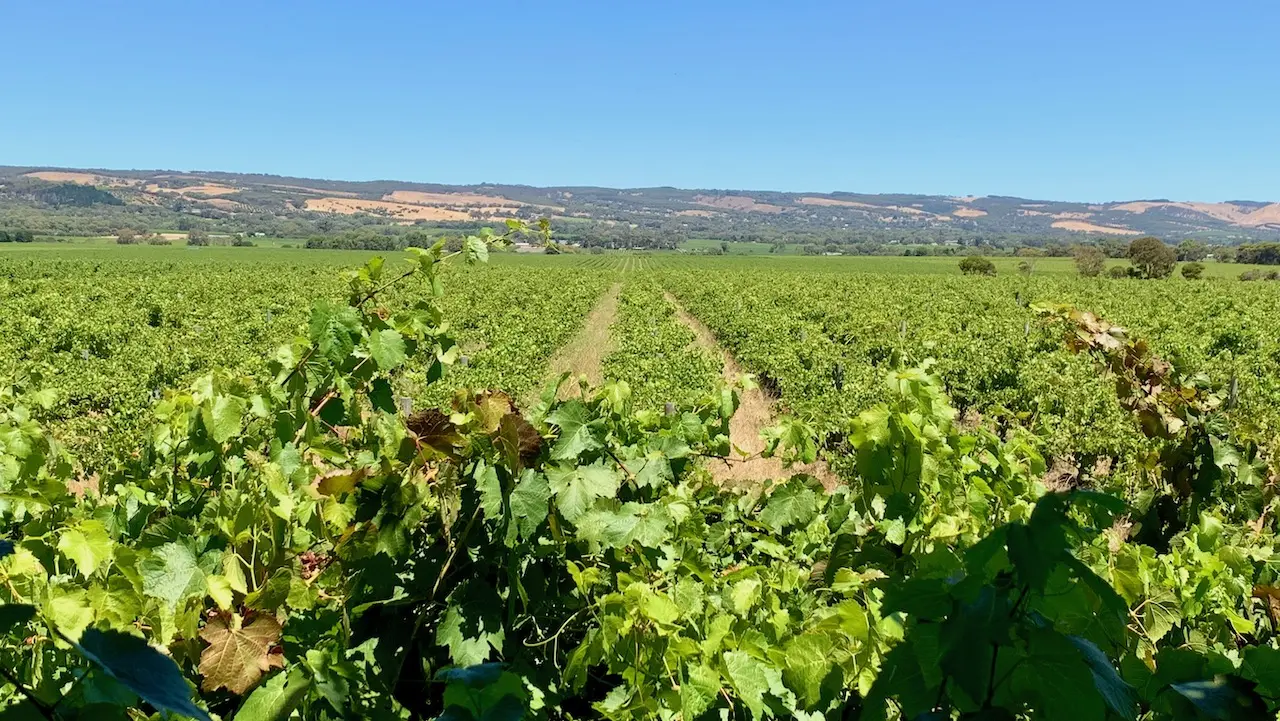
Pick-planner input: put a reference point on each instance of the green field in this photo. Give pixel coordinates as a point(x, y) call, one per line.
point(923, 468)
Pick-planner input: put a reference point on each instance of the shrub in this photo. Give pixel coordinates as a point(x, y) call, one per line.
point(242, 243)
point(977, 265)
point(198, 238)
point(1120, 271)
point(1251, 275)
point(127, 236)
point(1025, 267)
point(1193, 271)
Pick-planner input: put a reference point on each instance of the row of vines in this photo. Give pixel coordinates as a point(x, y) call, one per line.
point(296, 538)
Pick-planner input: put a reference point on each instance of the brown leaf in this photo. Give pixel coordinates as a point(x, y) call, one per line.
point(518, 440)
point(238, 655)
point(434, 430)
point(1271, 595)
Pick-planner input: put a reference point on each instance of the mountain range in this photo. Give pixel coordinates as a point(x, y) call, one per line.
point(705, 211)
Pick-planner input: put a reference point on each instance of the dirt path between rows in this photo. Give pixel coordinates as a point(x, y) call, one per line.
point(585, 353)
point(756, 411)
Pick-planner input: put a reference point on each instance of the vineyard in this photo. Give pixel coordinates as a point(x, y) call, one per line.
point(475, 485)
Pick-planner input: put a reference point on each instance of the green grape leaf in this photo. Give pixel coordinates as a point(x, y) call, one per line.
point(333, 329)
point(1072, 694)
point(489, 487)
point(749, 681)
point(808, 661)
point(465, 648)
point(660, 608)
point(223, 417)
point(529, 503)
point(476, 251)
point(699, 691)
point(792, 504)
point(87, 545)
point(1262, 666)
point(387, 349)
point(578, 433)
point(172, 574)
point(150, 674)
point(1227, 698)
point(1115, 692)
point(576, 489)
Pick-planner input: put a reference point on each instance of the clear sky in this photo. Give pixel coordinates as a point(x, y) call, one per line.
point(1081, 100)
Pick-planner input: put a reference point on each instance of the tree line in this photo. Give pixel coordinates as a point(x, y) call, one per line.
point(17, 236)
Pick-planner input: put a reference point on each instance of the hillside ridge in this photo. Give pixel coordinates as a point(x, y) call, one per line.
point(693, 210)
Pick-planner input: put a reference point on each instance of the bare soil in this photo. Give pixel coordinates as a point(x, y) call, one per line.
point(58, 176)
point(584, 355)
point(1228, 212)
point(756, 411)
point(1086, 227)
point(399, 211)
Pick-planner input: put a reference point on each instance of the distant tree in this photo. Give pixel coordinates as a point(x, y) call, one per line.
point(1120, 271)
point(724, 247)
point(1224, 254)
point(126, 236)
point(1152, 258)
point(977, 265)
point(1090, 260)
point(1251, 275)
point(1192, 250)
point(1259, 253)
point(17, 236)
point(241, 242)
point(198, 238)
point(1026, 267)
point(1056, 249)
point(813, 249)
point(1193, 271)
point(1115, 248)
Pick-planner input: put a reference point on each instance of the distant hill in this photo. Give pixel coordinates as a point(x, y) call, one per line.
point(713, 213)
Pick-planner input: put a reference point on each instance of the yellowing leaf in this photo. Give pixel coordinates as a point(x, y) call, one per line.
point(238, 655)
point(220, 592)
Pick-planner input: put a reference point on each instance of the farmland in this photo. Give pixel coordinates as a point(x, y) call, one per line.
point(246, 440)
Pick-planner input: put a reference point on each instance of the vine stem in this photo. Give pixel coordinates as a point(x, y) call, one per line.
point(454, 554)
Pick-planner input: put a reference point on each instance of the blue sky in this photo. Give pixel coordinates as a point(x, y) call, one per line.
point(1081, 100)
